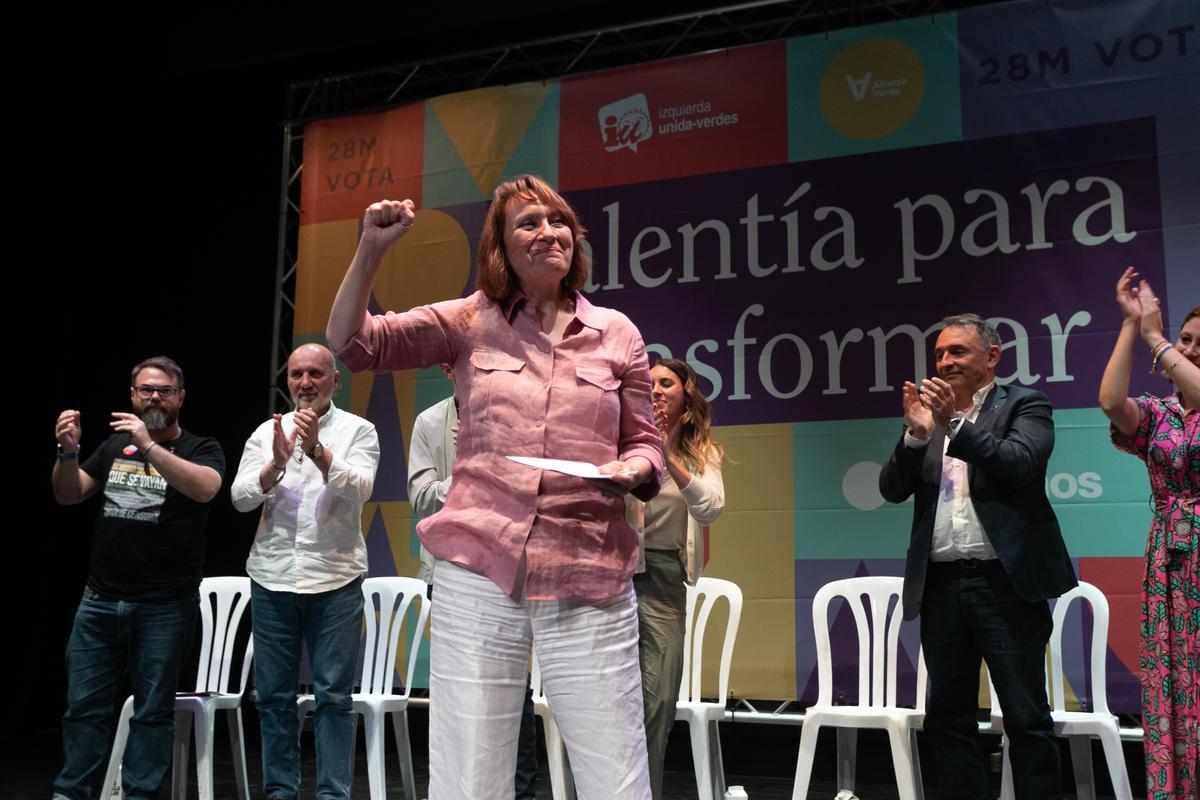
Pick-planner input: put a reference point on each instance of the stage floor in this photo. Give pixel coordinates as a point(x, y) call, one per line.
point(760, 758)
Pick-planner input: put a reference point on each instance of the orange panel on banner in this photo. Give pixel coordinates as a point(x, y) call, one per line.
point(351, 162)
point(690, 116)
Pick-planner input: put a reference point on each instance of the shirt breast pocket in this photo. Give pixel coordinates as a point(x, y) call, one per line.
point(598, 389)
point(494, 382)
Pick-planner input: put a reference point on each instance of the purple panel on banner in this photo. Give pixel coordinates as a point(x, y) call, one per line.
point(1124, 688)
point(801, 292)
point(391, 478)
point(1036, 65)
point(379, 549)
point(1032, 65)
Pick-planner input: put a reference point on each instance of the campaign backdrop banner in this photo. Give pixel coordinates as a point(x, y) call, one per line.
point(794, 218)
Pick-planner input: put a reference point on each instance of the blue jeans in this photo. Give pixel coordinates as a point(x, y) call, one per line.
point(330, 623)
point(109, 639)
point(968, 614)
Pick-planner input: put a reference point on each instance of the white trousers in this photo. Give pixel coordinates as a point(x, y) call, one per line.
point(479, 662)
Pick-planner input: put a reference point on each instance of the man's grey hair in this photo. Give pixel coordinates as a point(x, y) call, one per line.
point(986, 331)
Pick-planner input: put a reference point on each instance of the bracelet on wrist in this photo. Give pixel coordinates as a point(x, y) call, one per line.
point(1162, 347)
point(63, 455)
point(147, 450)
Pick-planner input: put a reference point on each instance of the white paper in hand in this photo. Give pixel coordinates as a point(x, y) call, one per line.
point(580, 469)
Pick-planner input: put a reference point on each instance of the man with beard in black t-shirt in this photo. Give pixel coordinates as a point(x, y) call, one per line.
point(140, 602)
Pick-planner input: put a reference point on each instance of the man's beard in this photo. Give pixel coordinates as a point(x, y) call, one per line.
point(157, 419)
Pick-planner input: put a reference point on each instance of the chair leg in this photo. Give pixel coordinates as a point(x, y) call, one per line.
point(916, 762)
point(376, 738)
point(1081, 763)
point(404, 753)
point(561, 788)
point(233, 719)
point(804, 759)
point(902, 761)
point(716, 760)
point(205, 723)
point(847, 757)
point(700, 751)
point(182, 754)
point(1115, 757)
point(1006, 779)
point(112, 776)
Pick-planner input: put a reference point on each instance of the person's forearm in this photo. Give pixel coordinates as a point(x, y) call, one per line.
point(1114, 385)
point(676, 468)
point(67, 480)
point(350, 303)
point(1184, 374)
point(269, 476)
point(196, 481)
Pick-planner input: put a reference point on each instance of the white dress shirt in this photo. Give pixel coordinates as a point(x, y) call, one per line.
point(309, 538)
point(430, 457)
point(957, 532)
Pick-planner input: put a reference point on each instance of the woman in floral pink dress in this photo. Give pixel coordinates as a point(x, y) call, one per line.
point(1165, 433)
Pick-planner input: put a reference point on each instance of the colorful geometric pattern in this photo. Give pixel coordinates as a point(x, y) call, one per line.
point(793, 218)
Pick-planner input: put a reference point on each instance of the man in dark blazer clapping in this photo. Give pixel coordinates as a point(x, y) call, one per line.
point(985, 555)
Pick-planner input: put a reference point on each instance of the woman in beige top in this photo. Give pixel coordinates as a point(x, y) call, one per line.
point(671, 527)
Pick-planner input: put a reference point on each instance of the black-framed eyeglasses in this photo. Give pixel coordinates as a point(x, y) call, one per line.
point(146, 391)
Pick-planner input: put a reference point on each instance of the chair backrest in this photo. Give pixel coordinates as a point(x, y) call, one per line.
point(878, 639)
point(701, 599)
point(1097, 650)
point(386, 602)
point(223, 602)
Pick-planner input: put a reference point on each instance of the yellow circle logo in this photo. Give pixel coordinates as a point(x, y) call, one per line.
point(872, 88)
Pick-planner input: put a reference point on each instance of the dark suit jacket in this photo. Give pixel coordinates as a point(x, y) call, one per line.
point(1006, 448)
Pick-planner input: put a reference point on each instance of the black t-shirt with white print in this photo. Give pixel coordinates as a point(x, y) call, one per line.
point(148, 543)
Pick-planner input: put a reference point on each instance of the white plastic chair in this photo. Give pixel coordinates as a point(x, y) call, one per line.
point(386, 602)
point(562, 786)
point(223, 603)
point(878, 648)
point(1078, 726)
point(703, 716)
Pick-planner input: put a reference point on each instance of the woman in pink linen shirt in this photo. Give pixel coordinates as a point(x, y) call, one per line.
point(528, 555)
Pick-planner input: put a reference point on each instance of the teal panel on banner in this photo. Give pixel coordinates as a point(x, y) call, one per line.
point(474, 140)
point(1100, 494)
point(838, 511)
point(537, 151)
point(447, 180)
point(878, 87)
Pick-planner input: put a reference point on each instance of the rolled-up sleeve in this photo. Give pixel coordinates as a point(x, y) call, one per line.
point(422, 337)
point(246, 491)
point(705, 494)
point(352, 473)
point(638, 436)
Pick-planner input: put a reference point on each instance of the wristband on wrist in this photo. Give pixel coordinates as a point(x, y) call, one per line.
point(63, 455)
point(146, 452)
point(1162, 347)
